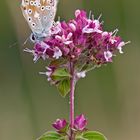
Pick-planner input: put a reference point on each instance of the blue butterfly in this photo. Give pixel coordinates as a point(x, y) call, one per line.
point(40, 16)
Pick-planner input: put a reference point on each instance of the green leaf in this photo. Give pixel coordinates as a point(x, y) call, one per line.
point(64, 87)
point(51, 135)
point(60, 73)
point(91, 135)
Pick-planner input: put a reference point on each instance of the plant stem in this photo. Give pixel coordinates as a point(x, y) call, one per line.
point(72, 88)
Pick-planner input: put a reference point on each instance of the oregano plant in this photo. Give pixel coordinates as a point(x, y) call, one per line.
point(72, 49)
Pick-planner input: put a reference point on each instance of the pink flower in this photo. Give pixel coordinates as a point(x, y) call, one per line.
point(56, 29)
point(80, 122)
point(48, 73)
point(59, 124)
point(81, 74)
point(64, 38)
point(121, 44)
point(57, 53)
point(93, 26)
point(108, 55)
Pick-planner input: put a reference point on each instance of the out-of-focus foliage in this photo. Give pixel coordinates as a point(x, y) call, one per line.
point(109, 96)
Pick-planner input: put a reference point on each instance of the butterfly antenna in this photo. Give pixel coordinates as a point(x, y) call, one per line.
point(90, 14)
point(102, 22)
point(59, 18)
point(115, 32)
point(25, 41)
point(100, 17)
point(14, 44)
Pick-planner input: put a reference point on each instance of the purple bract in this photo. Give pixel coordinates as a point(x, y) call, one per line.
point(80, 122)
point(59, 124)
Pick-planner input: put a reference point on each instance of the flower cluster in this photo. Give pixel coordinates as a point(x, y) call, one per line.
point(80, 38)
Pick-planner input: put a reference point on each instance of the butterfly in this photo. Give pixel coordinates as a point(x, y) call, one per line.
point(40, 16)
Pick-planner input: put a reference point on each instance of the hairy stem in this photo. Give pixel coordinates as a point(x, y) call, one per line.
point(72, 88)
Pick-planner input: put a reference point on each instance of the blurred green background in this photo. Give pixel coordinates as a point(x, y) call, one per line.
point(109, 96)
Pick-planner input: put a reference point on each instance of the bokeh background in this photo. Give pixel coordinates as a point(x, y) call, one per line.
point(108, 96)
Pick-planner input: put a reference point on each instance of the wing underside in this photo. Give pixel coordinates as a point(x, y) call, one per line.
point(39, 14)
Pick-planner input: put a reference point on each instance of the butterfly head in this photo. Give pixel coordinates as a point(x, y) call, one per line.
point(38, 37)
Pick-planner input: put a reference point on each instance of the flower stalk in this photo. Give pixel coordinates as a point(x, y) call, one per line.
point(72, 89)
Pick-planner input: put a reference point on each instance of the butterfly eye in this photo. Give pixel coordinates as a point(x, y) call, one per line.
point(30, 11)
point(42, 8)
point(32, 38)
point(48, 7)
point(31, 3)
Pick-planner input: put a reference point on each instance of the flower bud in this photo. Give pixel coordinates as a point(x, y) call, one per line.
point(81, 74)
point(80, 122)
point(59, 124)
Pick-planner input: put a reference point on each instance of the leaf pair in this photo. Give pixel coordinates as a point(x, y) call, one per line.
point(87, 135)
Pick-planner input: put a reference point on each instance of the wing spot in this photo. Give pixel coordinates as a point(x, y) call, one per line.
point(24, 8)
point(54, 24)
point(51, 2)
point(42, 8)
point(33, 24)
point(45, 18)
point(31, 3)
point(27, 1)
point(35, 3)
point(29, 19)
point(38, 5)
point(48, 7)
point(51, 15)
point(30, 11)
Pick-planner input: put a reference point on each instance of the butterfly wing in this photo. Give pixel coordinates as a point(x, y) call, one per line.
point(39, 14)
point(48, 18)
